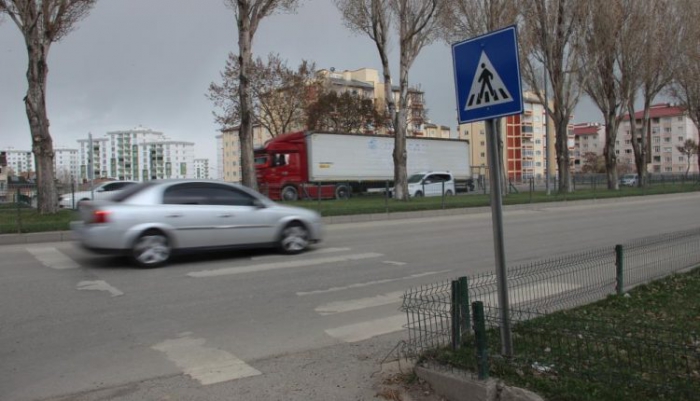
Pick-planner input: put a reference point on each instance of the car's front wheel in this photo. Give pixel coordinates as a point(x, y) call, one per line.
point(294, 238)
point(151, 249)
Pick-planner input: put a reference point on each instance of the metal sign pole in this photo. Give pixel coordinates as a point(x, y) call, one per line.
point(498, 242)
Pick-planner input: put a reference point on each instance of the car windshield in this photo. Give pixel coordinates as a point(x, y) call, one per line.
point(129, 191)
point(415, 178)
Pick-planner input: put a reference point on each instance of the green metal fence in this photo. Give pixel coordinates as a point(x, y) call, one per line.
point(435, 319)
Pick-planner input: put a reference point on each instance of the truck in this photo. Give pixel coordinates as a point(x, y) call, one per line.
point(323, 165)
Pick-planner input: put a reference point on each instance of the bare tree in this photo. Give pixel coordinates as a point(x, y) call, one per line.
point(651, 35)
point(686, 83)
point(551, 46)
point(373, 18)
point(43, 22)
point(345, 112)
point(279, 97)
point(249, 13)
point(418, 27)
point(603, 81)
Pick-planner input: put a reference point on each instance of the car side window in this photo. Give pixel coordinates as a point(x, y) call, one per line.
point(184, 194)
point(228, 196)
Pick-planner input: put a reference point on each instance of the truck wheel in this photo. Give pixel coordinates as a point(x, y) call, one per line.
point(342, 192)
point(289, 193)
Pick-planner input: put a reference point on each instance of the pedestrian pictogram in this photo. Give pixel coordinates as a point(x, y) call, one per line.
point(487, 87)
point(487, 76)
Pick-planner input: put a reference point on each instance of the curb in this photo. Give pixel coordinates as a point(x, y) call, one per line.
point(461, 387)
point(59, 236)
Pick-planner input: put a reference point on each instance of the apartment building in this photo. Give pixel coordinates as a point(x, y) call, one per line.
point(436, 131)
point(669, 127)
point(220, 157)
point(524, 138)
point(365, 82)
point(230, 151)
point(166, 159)
point(66, 164)
point(201, 169)
point(100, 154)
point(588, 138)
point(19, 162)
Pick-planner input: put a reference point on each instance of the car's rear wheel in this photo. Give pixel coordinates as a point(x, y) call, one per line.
point(294, 238)
point(419, 194)
point(151, 249)
point(81, 203)
point(448, 193)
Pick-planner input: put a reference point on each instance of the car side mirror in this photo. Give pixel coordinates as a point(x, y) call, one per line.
point(259, 204)
point(100, 190)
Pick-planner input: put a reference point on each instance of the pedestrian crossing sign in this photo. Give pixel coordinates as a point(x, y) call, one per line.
point(487, 76)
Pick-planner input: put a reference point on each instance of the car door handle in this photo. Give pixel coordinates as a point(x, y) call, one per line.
point(174, 215)
point(225, 215)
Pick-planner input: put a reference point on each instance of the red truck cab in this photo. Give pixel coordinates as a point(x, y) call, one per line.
point(281, 168)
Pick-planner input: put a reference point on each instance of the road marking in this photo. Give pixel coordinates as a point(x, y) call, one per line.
point(99, 285)
point(282, 265)
point(391, 262)
point(362, 331)
point(53, 258)
point(316, 252)
point(204, 364)
point(359, 285)
point(362, 303)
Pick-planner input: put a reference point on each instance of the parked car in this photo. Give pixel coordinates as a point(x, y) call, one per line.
point(102, 191)
point(151, 221)
point(429, 183)
point(628, 180)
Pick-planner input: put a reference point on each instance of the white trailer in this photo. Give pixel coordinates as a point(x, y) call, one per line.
point(366, 158)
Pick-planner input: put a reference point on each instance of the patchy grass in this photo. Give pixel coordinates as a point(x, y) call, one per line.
point(641, 346)
point(23, 219)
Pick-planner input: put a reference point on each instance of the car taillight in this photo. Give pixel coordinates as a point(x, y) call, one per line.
point(100, 216)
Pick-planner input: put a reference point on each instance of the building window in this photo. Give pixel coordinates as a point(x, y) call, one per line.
point(657, 139)
point(666, 140)
point(657, 149)
point(681, 158)
point(483, 154)
point(680, 139)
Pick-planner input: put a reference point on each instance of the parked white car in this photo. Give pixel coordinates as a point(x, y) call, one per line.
point(102, 191)
point(629, 180)
point(429, 183)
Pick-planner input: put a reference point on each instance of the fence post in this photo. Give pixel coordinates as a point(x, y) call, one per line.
point(443, 194)
point(465, 315)
point(619, 264)
point(482, 352)
point(386, 196)
point(19, 211)
point(455, 315)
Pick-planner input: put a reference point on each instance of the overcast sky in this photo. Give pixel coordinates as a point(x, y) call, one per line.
point(150, 62)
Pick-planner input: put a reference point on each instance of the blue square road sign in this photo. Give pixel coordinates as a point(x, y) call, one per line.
point(487, 76)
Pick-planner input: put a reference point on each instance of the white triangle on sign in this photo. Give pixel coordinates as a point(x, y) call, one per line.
point(487, 88)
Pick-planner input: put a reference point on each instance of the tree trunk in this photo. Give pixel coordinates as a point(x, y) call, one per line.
point(562, 151)
point(639, 146)
point(400, 156)
point(609, 152)
point(42, 144)
point(245, 132)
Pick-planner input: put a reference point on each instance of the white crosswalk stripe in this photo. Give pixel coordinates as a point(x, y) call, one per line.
point(375, 282)
point(362, 303)
point(53, 258)
point(205, 364)
point(282, 265)
point(365, 330)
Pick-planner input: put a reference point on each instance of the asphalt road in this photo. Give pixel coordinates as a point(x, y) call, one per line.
point(257, 325)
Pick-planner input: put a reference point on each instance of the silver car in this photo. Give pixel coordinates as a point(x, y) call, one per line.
point(152, 220)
